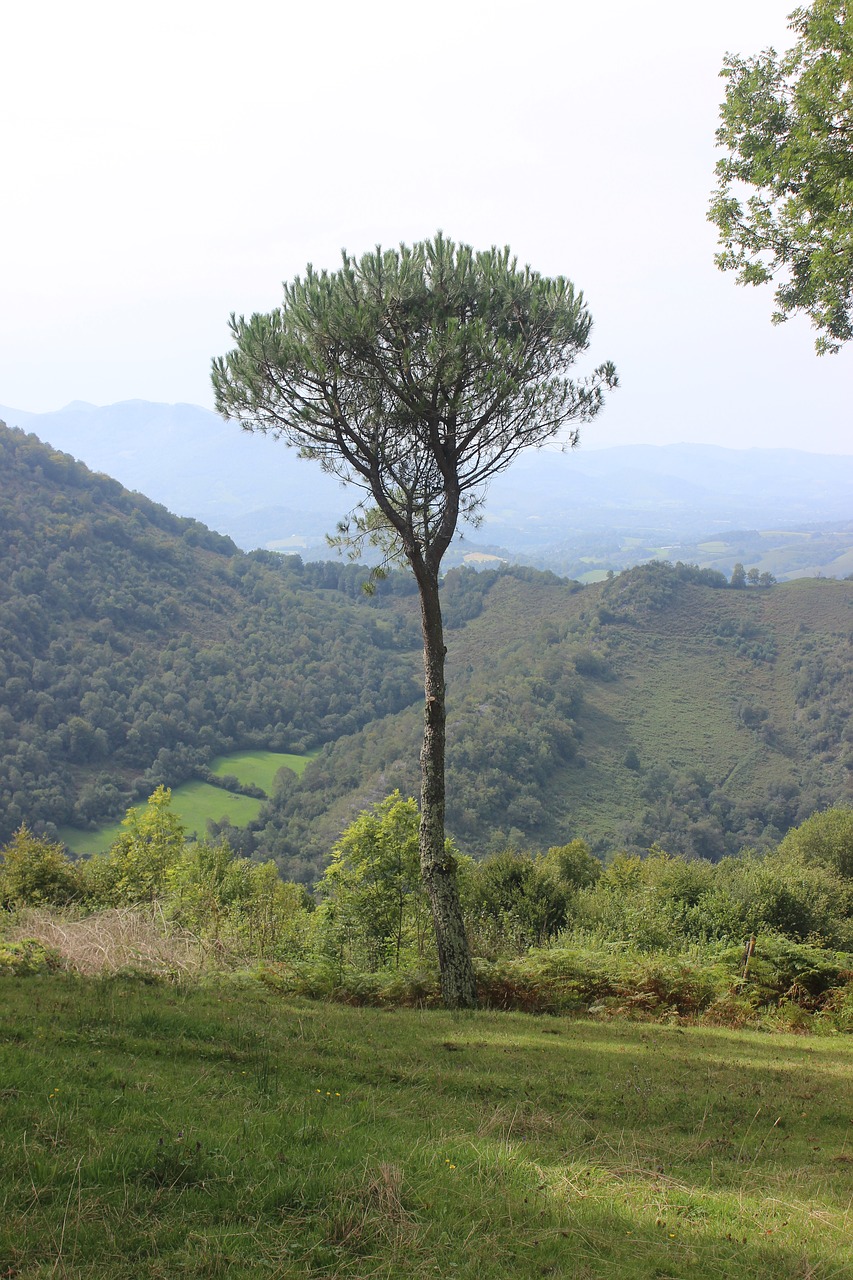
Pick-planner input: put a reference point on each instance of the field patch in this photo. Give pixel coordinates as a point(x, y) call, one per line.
point(193, 802)
point(259, 768)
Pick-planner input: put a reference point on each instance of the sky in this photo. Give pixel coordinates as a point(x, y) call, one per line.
point(165, 164)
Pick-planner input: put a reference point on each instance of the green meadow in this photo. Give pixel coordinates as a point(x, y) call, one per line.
point(228, 1131)
point(195, 802)
point(260, 767)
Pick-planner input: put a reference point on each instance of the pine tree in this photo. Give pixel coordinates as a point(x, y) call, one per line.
point(417, 374)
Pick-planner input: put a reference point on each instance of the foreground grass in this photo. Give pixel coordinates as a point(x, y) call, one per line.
point(225, 1131)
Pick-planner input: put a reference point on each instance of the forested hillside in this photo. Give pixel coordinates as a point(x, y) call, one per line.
point(134, 645)
point(660, 706)
point(653, 708)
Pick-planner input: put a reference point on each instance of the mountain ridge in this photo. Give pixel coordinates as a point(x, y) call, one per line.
point(599, 509)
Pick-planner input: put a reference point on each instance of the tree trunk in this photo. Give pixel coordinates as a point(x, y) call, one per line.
point(438, 868)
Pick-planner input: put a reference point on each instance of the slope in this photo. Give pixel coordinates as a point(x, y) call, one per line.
point(648, 708)
point(135, 646)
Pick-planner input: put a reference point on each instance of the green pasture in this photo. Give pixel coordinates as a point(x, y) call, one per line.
point(225, 1130)
point(87, 842)
point(259, 768)
point(195, 802)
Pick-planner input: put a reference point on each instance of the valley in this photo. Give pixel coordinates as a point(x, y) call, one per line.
point(659, 705)
point(578, 513)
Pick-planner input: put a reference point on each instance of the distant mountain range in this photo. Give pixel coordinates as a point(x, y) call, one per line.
point(580, 513)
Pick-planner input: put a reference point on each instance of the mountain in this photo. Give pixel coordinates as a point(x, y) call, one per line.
point(192, 462)
point(659, 705)
point(579, 513)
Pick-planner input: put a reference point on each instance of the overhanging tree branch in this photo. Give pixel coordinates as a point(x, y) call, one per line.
point(786, 124)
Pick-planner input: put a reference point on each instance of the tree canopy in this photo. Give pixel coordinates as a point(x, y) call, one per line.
point(415, 375)
point(418, 374)
point(787, 125)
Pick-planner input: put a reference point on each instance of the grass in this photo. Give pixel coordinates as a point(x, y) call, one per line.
point(225, 1131)
point(84, 842)
point(259, 768)
point(194, 802)
point(115, 940)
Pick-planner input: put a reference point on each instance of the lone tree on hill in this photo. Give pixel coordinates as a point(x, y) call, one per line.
point(417, 374)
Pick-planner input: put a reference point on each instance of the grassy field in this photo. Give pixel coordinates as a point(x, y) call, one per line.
point(88, 842)
point(226, 1131)
point(194, 802)
point(259, 767)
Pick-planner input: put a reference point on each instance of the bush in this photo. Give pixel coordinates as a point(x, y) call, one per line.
point(573, 865)
point(662, 903)
point(599, 980)
point(135, 867)
point(374, 911)
point(37, 872)
point(645, 902)
point(26, 957)
point(778, 894)
point(237, 901)
point(780, 969)
point(826, 839)
point(514, 901)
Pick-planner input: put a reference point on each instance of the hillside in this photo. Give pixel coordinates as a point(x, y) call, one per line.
point(653, 707)
point(227, 1130)
point(649, 708)
point(134, 645)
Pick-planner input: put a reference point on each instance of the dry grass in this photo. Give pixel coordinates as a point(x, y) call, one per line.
point(384, 1194)
point(372, 1221)
point(116, 940)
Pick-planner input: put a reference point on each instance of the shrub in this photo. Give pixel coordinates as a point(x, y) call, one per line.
point(36, 871)
point(573, 865)
point(237, 901)
point(25, 957)
point(135, 867)
point(826, 839)
point(515, 901)
point(374, 909)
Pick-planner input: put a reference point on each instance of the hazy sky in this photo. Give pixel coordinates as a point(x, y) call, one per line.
point(164, 164)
